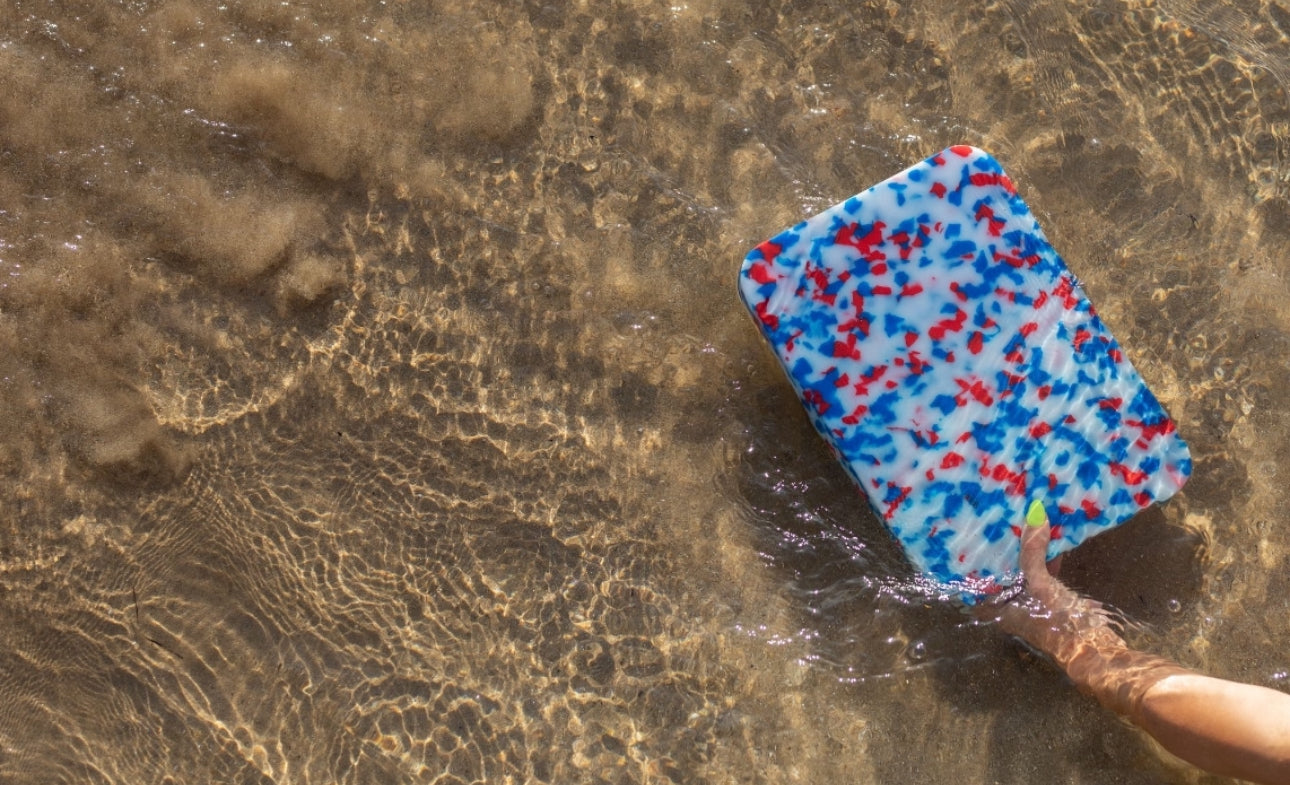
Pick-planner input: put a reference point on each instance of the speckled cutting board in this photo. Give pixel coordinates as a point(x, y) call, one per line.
point(958, 370)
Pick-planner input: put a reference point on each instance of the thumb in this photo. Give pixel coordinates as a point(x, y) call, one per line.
point(1034, 540)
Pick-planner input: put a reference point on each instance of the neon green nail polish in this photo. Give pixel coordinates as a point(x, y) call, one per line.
point(1035, 516)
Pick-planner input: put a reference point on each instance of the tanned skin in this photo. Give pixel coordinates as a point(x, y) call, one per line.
point(1237, 730)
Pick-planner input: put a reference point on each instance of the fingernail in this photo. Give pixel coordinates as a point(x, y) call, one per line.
point(1035, 516)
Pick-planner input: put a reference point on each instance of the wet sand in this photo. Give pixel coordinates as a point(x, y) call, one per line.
point(376, 405)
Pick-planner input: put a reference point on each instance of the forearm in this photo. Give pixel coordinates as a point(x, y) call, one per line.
point(1238, 730)
point(1103, 666)
point(1234, 729)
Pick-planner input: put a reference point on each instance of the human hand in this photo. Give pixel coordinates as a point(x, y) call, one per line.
point(1047, 614)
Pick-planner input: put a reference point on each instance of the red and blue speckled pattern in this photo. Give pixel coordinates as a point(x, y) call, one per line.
point(943, 349)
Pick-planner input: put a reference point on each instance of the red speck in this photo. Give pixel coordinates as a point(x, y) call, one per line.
point(1013, 259)
point(1066, 291)
point(862, 386)
point(847, 348)
point(1131, 476)
point(938, 330)
point(961, 150)
point(865, 245)
point(769, 251)
point(1142, 498)
point(993, 178)
point(1115, 355)
point(767, 318)
point(854, 417)
point(878, 268)
point(1039, 430)
point(1028, 328)
point(910, 338)
point(951, 460)
point(910, 289)
point(938, 190)
point(857, 322)
point(1149, 432)
point(760, 273)
point(882, 290)
point(1081, 337)
point(1110, 403)
point(814, 398)
point(975, 342)
point(976, 389)
point(891, 508)
point(1090, 509)
point(1045, 391)
point(818, 276)
point(994, 225)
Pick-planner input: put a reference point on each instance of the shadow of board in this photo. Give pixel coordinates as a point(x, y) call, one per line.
point(821, 536)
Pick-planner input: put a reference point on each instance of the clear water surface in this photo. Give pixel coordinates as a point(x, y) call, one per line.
point(376, 405)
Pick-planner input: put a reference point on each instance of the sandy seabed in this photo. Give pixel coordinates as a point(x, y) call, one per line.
point(376, 406)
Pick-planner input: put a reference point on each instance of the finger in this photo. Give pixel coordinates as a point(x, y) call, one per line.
point(1034, 540)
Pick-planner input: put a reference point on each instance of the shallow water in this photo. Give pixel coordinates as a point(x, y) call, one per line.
point(377, 406)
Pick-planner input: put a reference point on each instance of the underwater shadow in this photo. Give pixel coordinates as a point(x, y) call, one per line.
point(873, 626)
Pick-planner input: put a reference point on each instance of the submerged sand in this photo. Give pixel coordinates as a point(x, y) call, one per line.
point(375, 403)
